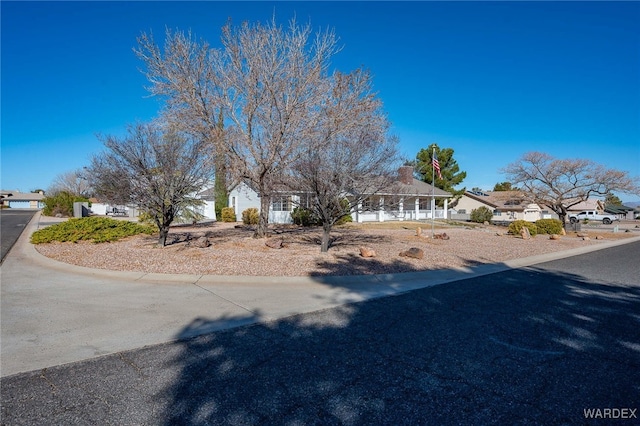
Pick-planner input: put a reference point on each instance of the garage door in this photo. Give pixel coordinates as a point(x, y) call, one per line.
point(19, 204)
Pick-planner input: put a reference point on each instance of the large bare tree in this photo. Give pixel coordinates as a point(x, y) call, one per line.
point(185, 75)
point(266, 81)
point(154, 167)
point(347, 153)
point(272, 88)
point(560, 184)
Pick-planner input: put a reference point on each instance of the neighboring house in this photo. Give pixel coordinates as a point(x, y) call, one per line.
point(208, 209)
point(589, 204)
point(406, 199)
point(622, 212)
point(22, 200)
point(506, 206)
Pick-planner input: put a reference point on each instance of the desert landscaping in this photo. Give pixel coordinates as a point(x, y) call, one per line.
point(217, 248)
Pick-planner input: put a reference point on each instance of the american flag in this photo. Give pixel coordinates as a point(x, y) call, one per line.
point(436, 165)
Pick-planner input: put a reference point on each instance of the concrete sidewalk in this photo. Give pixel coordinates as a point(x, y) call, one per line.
point(54, 313)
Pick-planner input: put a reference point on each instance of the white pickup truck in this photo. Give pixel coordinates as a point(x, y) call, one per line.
point(593, 215)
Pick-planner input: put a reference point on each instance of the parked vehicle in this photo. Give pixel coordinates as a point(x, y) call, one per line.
point(593, 215)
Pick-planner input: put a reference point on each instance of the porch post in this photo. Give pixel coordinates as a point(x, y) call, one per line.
point(417, 208)
point(381, 210)
point(359, 213)
point(446, 204)
point(401, 209)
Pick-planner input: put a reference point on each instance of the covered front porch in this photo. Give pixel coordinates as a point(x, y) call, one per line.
point(410, 208)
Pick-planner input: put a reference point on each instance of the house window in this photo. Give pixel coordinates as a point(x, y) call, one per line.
point(497, 213)
point(462, 211)
point(281, 203)
point(425, 204)
point(367, 204)
point(305, 201)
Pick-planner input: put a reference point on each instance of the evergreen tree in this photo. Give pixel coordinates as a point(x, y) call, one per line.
point(449, 169)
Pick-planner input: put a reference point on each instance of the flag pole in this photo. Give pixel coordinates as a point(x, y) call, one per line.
point(433, 192)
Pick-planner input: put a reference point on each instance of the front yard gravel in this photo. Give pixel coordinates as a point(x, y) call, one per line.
point(234, 251)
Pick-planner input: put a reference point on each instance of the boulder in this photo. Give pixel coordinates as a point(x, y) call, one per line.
point(419, 232)
point(554, 237)
point(202, 242)
point(582, 235)
point(442, 236)
point(585, 238)
point(367, 252)
point(413, 252)
point(525, 234)
point(274, 243)
point(599, 237)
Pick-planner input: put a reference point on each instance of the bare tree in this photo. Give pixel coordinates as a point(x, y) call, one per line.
point(560, 184)
point(157, 169)
point(264, 78)
point(272, 86)
point(74, 182)
point(347, 153)
point(185, 75)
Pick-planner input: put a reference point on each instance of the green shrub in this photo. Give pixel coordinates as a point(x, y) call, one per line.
point(96, 229)
point(346, 206)
point(304, 217)
point(61, 203)
point(549, 226)
point(228, 214)
point(250, 216)
point(516, 226)
point(146, 218)
point(481, 215)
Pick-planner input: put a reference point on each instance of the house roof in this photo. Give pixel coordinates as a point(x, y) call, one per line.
point(416, 188)
point(501, 200)
point(590, 204)
point(618, 209)
point(22, 196)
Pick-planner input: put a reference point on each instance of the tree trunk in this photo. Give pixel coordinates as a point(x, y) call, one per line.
point(263, 223)
point(162, 240)
point(326, 231)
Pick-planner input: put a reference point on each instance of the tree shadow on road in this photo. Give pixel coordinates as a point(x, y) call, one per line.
point(517, 346)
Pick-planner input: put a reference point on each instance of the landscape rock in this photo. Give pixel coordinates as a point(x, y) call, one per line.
point(442, 236)
point(202, 242)
point(582, 235)
point(413, 252)
point(554, 237)
point(585, 238)
point(419, 232)
point(525, 234)
point(274, 243)
point(367, 252)
point(599, 237)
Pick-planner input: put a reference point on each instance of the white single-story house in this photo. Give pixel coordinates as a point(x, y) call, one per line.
point(22, 200)
point(406, 199)
point(208, 208)
point(506, 206)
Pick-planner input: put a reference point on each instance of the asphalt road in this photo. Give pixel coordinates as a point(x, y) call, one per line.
point(539, 345)
point(12, 223)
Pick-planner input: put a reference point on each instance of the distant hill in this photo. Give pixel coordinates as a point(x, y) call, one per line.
point(631, 203)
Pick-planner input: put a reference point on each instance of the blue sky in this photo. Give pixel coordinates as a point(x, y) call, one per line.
point(492, 80)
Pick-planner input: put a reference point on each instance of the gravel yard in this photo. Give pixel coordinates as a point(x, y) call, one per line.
point(234, 251)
